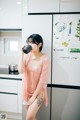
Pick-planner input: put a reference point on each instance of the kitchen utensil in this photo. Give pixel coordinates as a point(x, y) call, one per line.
point(13, 67)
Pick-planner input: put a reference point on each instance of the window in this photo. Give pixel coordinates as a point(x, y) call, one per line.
point(11, 46)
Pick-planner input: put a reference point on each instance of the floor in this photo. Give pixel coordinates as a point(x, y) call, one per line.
point(10, 116)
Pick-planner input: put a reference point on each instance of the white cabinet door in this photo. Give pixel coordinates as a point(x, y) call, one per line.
point(8, 85)
point(8, 95)
point(8, 102)
point(19, 96)
point(42, 6)
point(10, 14)
point(8, 82)
point(69, 5)
point(40, 25)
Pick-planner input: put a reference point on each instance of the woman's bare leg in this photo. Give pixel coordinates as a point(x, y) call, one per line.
point(33, 108)
point(26, 110)
point(27, 106)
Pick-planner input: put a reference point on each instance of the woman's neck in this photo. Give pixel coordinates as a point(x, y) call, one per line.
point(37, 54)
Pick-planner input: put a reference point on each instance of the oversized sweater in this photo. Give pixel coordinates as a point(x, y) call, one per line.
point(35, 76)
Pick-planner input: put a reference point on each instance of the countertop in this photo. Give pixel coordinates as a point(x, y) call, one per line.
point(14, 77)
point(11, 76)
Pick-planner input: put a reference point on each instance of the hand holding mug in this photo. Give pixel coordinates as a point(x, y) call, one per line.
point(27, 49)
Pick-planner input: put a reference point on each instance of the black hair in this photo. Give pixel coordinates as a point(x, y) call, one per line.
point(35, 38)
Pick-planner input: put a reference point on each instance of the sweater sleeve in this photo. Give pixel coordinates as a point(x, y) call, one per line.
point(26, 60)
point(44, 76)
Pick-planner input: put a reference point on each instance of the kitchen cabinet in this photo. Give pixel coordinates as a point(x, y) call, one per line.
point(11, 95)
point(8, 102)
point(8, 95)
point(40, 25)
point(43, 6)
point(19, 96)
point(69, 5)
point(10, 14)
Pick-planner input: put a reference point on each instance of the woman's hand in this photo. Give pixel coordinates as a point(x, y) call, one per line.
point(22, 49)
point(21, 62)
point(31, 100)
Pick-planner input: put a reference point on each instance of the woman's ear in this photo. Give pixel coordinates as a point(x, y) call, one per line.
point(40, 44)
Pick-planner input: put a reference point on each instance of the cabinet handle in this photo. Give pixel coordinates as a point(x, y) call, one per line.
point(8, 93)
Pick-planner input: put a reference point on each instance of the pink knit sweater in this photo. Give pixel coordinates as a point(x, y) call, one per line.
point(35, 76)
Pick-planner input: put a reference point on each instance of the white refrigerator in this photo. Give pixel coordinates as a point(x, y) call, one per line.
point(66, 67)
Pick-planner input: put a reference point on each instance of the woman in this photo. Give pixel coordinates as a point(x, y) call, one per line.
point(35, 69)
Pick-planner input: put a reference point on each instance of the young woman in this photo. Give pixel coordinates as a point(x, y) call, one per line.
point(35, 69)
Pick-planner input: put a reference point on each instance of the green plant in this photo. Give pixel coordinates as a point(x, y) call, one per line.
point(78, 30)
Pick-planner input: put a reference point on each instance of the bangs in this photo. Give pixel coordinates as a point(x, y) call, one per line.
point(30, 40)
point(35, 39)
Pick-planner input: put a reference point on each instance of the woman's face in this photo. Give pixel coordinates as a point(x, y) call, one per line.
point(34, 46)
